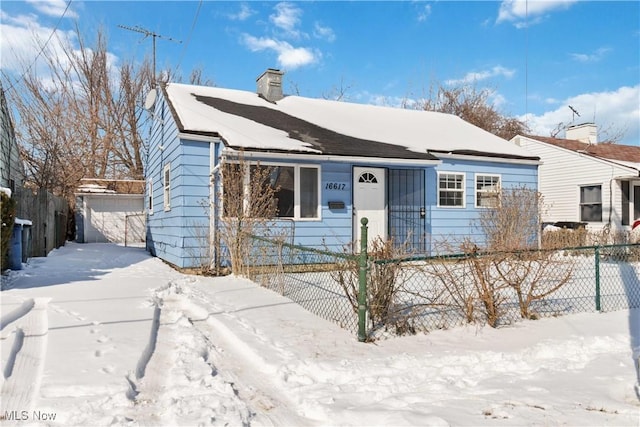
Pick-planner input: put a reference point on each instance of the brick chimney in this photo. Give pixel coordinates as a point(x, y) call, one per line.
point(586, 132)
point(270, 85)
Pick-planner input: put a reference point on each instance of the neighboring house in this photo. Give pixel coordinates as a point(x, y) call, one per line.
point(583, 181)
point(12, 183)
point(11, 168)
point(415, 175)
point(110, 211)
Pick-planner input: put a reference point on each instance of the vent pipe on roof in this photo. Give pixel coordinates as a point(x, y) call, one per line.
point(270, 85)
point(587, 132)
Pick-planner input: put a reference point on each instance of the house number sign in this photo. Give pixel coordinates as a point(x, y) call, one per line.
point(340, 186)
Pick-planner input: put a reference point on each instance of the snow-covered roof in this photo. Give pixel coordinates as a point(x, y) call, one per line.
point(94, 188)
point(317, 126)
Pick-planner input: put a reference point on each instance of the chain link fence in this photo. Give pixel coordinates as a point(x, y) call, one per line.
point(421, 294)
point(307, 276)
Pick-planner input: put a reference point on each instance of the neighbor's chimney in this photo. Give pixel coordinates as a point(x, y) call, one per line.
point(270, 85)
point(587, 132)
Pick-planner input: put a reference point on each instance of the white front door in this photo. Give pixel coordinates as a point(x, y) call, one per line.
point(369, 200)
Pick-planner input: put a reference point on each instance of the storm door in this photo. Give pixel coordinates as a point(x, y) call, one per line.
point(407, 213)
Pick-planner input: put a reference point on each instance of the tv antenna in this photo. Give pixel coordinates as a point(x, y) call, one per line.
point(155, 36)
point(575, 113)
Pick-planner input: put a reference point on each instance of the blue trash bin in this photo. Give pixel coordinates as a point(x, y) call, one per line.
point(15, 248)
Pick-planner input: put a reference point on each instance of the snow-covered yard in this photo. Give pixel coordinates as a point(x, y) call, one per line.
point(100, 334)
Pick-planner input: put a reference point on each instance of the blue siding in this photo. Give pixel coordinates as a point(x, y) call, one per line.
point(452, 224)
point(177, 235)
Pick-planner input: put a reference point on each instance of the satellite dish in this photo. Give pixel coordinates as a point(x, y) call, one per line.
point(150, 101)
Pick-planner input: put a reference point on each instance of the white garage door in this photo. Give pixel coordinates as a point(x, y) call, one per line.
point(108, 218)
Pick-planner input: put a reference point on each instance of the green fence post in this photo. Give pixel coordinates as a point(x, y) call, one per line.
point(597, 255)
point(362, 283)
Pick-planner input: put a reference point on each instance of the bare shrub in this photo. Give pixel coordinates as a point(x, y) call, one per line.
point(452, 273)
point(203, 253)
point(249, 206)
point(488, 286)
point(384, 283)
point(480, 283)
point(533, 276)
point(560, 238)
point(515, 223)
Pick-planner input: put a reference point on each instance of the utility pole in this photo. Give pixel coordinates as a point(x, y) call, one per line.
point(148, 33)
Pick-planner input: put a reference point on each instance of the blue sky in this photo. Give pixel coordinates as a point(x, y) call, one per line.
point(537, 56)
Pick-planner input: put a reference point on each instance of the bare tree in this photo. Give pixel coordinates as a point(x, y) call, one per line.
point(197, 78)
point(338, 93)
point(472, 105)
point(82, 117)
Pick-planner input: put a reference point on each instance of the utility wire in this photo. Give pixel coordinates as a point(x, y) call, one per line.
point(55, 28)
point(186, 44)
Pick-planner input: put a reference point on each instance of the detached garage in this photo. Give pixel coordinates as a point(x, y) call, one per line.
point(106, 215)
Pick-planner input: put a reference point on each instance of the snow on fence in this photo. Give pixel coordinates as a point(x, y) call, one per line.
point(421, 294)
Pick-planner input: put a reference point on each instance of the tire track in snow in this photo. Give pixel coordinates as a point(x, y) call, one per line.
point(253, 377)
point(23, 370)
point(175, 380)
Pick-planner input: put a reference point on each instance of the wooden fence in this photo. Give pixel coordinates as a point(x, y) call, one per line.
point(49, 215)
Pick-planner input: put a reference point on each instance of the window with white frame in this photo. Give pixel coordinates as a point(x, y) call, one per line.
point(166, 183)
point(297, 194)
point(487, 191)
point(450, 189)
point(150, 196)
point(591, 203)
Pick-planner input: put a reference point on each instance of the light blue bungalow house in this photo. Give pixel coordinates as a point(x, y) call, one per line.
point(417, 176)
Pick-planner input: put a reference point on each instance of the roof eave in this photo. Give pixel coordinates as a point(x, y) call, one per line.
point(485, 157)
point(279, 155)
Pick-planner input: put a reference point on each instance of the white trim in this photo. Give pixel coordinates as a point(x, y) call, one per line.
point(214, 205)
point(476, 192)
point(580, 187)
point(464, 189)
point(196, 137)
point(330, 158)
point(166, 186)
point(632, 200)
point(487, 159)
point(296, 190)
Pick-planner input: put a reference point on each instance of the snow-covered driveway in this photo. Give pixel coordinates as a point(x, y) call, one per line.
point(99, 334)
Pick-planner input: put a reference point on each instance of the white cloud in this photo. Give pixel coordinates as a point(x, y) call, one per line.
point(22, 38)
point(243, 14)
point(424, 13)
point(321, 32)
point(25, 44)
point(55, 8)
point(289, 57)
point(474, 77)
point(617, 110)
point(519, 11)
point(591, 57)
point(287, 18)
